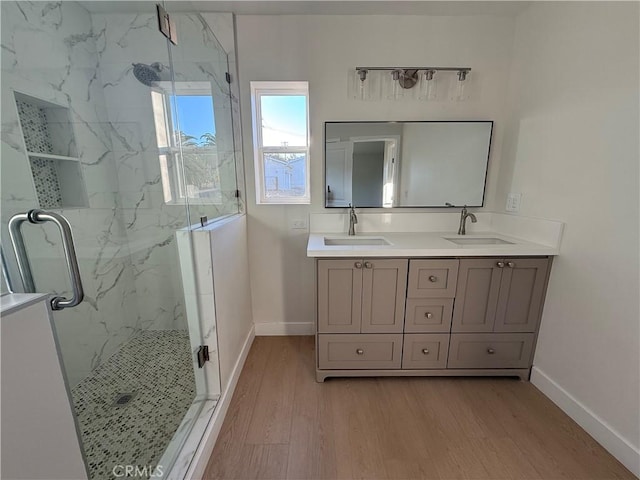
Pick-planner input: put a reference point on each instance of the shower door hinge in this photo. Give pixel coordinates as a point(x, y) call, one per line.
point(203, 355)
point(237, 193)
point(167, 26)
point(228, 77)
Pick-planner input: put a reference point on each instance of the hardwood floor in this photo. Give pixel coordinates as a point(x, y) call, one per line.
point(281, 424)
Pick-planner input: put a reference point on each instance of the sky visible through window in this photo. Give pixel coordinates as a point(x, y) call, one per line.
point(284, 120)
point(195, 115)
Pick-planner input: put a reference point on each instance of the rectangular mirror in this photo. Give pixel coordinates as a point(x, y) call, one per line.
point(406, 164)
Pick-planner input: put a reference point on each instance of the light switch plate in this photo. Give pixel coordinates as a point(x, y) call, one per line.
point(513, 202)
point(298, 224)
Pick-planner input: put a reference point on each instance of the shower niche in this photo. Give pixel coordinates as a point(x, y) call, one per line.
point(52, 153)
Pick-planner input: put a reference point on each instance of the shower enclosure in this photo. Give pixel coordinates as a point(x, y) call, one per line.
point(130, 138)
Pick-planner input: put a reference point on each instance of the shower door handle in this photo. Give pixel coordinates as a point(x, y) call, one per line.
point(17, 241)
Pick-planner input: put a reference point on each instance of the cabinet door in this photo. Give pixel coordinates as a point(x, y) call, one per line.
point(339, 296)
point(521, 294)
point(476, 300)
point(383, 294)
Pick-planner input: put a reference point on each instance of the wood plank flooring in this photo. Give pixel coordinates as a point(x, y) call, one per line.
point(281, 424)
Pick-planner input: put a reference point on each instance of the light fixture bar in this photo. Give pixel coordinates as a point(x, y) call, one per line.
point(440, 69)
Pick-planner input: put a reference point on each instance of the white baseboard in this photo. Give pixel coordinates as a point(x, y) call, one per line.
point(203, 453)
point(602, 432)
point(284, 328)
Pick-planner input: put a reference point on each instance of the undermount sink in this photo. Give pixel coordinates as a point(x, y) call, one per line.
point(478, 241)
point(346, 241)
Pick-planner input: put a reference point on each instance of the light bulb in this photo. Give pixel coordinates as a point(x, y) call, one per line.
point(395, 91)
point(427, 85)
point(362, 91)
point(460, 86)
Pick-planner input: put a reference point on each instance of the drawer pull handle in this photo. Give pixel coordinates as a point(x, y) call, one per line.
point(511, 264)
point(490, 351)
point(368, 265)
point(358, 264)
point(500, 264)
point(433, 278)
point(425, 351)
point(359, 351)
point(428, 314)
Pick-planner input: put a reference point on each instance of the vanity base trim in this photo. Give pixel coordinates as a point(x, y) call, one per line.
point(522, 373)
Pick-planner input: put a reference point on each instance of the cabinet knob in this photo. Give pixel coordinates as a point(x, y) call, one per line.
point(511, 264)
point(428, 314)
point(433, 278)
point(425, 351)
point(358, 264)
point(500, 264)
point(368, 265)
point(359, 351)
point(490, 351)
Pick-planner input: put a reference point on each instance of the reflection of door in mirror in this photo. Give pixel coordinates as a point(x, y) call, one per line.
point(339, 158)
point(368, 173)
point(374, 178)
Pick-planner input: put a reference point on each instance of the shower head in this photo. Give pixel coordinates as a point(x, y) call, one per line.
point(148, 74)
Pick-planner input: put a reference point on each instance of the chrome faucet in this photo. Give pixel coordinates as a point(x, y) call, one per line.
point(462, 230)
point(353, 219)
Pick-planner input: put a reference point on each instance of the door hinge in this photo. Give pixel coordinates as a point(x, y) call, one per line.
point(237, 193)
point(166, 25)
point(203, 355)
point(227, 76)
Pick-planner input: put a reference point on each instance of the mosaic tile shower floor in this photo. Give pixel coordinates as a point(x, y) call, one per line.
point(155, 366)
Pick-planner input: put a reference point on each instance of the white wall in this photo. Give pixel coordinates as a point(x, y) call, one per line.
point(232, 292)
point(572, 150)
point(322, 50)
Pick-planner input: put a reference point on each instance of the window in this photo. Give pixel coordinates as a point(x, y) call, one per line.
point(189, 164)
point(280, 112)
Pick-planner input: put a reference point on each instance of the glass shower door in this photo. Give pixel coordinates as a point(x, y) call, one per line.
point(81, 139)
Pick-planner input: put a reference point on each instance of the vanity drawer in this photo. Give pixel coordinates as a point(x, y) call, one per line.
point(425, 350)
point(359, 351)
point(490, 350)
point(432, 278)
point(426, 315)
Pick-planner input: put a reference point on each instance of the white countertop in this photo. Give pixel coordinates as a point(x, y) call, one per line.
point(10, 302)
point(425, 244)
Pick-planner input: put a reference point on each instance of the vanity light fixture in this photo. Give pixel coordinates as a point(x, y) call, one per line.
point(398, 81)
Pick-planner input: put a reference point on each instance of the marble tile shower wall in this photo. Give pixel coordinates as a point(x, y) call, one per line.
point(126, 239)
point(49, 52)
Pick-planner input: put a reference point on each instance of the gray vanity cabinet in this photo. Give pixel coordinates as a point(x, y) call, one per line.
point(429, 316)
point(499, 295)
point(361, 295)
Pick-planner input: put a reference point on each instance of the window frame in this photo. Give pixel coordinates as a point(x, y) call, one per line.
point(280, 88)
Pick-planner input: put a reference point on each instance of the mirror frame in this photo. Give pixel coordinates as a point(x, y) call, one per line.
point(486, 171)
